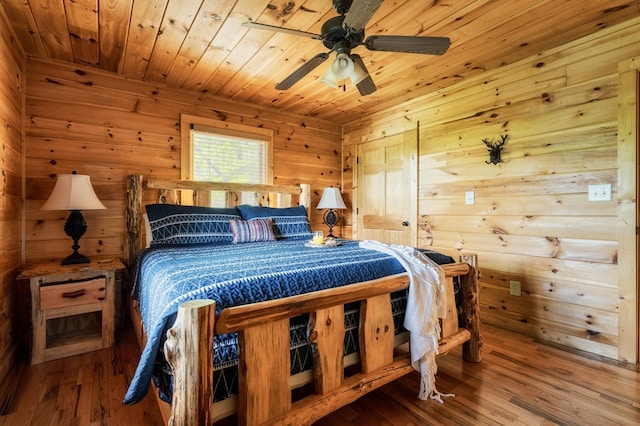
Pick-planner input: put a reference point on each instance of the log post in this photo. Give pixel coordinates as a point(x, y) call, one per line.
point(201, 198)
point(189, 351)
point(472, 349)
point(133, 220)
point(263, 199)
point(305, 197)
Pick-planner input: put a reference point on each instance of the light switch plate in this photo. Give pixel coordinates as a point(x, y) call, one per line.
point(600, 192)
point(515, 288)
point(469, 197)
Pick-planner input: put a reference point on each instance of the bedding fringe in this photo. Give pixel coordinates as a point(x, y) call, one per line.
point(428, 381)
point(425, 304)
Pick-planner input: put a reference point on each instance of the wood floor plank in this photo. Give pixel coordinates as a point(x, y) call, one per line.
point(519, 382)
point(81, 390)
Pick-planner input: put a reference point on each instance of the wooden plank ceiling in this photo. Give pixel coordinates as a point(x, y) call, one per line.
point(201, 45)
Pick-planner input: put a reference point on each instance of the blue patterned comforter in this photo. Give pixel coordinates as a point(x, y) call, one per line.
point(235, 275)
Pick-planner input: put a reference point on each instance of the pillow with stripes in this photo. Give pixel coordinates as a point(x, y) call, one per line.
point(175, 224)
point(251, 231)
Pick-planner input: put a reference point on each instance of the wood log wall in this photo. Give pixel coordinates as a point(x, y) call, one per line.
point(11, 135)
point(531, 221)
point(108, 126)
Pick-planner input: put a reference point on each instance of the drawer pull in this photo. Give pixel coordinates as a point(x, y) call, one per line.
point(74, 294)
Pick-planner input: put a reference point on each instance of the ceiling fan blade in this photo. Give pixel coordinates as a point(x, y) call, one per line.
point(408, 44)
point(366, 86)
point(303, 70)
point(268, 27)
point(360, 13)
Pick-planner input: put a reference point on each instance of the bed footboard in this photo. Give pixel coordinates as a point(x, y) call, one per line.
point(263, 334)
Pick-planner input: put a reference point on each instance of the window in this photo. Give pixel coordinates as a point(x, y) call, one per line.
point(218, 151)
point(223, 158)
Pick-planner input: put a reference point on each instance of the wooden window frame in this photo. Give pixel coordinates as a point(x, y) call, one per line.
point(223, 127)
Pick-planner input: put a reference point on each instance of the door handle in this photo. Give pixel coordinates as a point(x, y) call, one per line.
point(405, 223)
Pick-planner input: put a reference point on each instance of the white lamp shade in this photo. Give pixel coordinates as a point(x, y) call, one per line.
point(342, 66)
point(330, 79)
point(331, 199)
point(73, 192)
point(358, 74)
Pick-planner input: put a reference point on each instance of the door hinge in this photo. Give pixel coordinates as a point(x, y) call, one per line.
point(357, 211)
point(357, 160)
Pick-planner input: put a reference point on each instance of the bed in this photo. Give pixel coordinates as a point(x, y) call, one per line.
point(367, 283)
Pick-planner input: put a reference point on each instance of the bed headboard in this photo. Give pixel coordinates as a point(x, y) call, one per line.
point(197, 193)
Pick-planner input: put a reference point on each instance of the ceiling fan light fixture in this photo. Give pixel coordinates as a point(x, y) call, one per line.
point(358, 74)
point(330, 78)
point(341, 33)
point(342, 67)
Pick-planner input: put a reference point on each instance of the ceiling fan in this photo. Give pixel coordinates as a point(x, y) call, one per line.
point(346, 31)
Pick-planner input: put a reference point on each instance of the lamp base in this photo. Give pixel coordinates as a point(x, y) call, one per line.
point(75, 227)
point(331, 218)
point(75, 258)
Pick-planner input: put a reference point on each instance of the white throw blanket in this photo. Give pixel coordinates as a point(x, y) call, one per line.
point(425, 304)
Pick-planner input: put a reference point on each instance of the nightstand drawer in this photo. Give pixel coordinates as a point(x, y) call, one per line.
point(73, 294)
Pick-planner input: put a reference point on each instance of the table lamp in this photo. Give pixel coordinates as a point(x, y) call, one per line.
point(74, 193)
point(331, 200)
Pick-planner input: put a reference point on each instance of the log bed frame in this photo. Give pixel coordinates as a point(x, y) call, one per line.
point(264, 394)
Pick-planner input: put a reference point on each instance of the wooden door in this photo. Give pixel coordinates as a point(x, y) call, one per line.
point(387, 190)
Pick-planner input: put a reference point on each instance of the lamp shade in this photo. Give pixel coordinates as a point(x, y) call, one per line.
point(330, 79)
point(331, 199)
point(342, 66)
point(358, 73)
point(73, 192)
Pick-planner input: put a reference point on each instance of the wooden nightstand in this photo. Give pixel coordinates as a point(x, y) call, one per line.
point(72, 307)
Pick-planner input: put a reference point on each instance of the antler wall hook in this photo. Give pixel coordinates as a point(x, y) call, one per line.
point(495, 149)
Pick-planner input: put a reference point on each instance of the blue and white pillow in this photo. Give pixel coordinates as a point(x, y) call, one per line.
point(252, 231)
point(174, 224)
point(288, 222)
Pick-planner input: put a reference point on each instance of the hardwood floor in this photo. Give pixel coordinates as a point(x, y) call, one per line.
point(80, 390)
point(519, 382)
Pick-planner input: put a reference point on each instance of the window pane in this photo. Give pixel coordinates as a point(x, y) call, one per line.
point(221, 158)
point(225, 158)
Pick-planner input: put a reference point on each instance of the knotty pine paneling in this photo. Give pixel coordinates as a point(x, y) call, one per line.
point(11, 134)
point(108, 126)
point(531, 221)
point(200, 45)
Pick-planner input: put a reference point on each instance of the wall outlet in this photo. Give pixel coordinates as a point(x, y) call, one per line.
point(599, 192)
point(515, 288)
point(469, 197)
